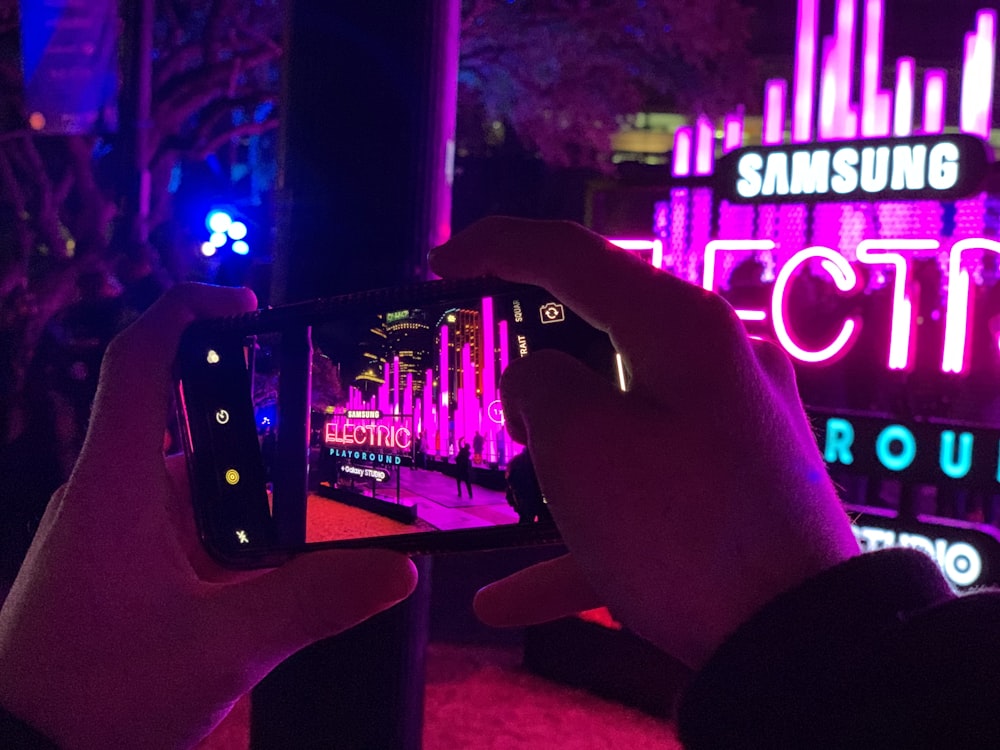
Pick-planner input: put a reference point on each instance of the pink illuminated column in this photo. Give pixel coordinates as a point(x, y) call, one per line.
point(732, 131)
point(773, 131)
point(935, 85)
point(444, 389)
point(958, 315)
point(470, 405)
point(875, 103)
point(843, 277)
point(806, 38)
point(683, 148)
point(408, 407)
point(704, 144)
point(890, 252)
point(383, 390)
point(902, 116)
point(977, 76)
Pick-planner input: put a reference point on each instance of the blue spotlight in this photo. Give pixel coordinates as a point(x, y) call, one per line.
point(240, 247)
point(218, 220)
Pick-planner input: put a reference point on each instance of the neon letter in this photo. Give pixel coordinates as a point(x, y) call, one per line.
point(839, 437)
point(954, 466)
point(883, 447)
point(942, 171)
point(874, 169)
point(901, 329)
point(846, 178)
point(715, 246)
point(810, 172)
point(776, 174)
point(908, 167)
point(843, 276)
point(749, 167)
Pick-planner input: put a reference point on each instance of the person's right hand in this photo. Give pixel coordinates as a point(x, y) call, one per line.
point(688, 501)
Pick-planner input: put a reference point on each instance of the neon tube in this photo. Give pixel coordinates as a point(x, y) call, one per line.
point(845, 279)
point(732, 131)
point(806, 36)
point(774, 111)
point(874, 101)
point(876, 252)
point(704, 143)
point(682, 152)
point(902, 124)
point(935, 87)
point(977, 76)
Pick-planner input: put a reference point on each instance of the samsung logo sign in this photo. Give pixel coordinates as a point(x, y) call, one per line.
point(936, 167)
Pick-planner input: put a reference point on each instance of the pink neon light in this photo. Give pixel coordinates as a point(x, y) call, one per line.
point(732, 131)
point(876, 252)
point(774, 111)
point(955, 357)
point(427, 409)
point(682, 152)
point(443, 386)
point(827, 93)
point(935, 82)
point(704, 144)
point(977, 75)
point(628, 244)
point(396, 398)
point(718, 246)
point(489, 354)
point(806, 35)
point(874, 101)
point(657, 259)
point(843, 276)
point(902, 124)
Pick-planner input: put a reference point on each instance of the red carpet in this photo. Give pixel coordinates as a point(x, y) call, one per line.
point(478, 698)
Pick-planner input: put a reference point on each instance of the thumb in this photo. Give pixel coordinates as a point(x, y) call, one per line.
point(314, 596)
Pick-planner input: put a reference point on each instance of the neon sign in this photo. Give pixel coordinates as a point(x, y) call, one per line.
point(910, 168)
point(959, 561)
point(920, 452)
point(369, 435)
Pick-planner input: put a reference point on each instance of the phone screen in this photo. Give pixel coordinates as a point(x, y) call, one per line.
point(370, 422)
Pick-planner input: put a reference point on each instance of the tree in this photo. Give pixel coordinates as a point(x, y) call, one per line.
point(65, 289)
point(562, 74)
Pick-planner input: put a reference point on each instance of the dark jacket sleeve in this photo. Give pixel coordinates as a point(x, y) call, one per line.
point(877, 652)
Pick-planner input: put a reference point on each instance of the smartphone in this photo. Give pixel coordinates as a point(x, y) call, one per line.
point(371, 419)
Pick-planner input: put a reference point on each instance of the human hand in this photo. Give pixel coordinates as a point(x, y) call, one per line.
point(120, 631)
point(688, 501)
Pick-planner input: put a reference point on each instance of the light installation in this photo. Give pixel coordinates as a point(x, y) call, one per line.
point(854, 186)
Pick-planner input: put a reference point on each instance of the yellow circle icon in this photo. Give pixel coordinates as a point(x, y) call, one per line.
point(232, 477)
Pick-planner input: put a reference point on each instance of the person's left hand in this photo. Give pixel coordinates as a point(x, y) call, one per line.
point(120, 631)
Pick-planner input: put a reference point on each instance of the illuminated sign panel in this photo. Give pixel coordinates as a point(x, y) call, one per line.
point(921, 452)
point(887, 169)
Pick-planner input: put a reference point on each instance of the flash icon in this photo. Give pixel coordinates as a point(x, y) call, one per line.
point(241, 537)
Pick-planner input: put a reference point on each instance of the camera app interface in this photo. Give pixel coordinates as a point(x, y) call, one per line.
point(406, 432)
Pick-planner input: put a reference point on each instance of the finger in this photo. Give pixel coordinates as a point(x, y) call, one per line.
point(314, 596)
point(541, 593)
point(615, 291)
point(130, 408)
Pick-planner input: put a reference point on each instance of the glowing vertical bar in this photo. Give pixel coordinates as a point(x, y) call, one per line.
point(902, 122)
point(704, 145)
point(935, 83)
point(804, 93)
point(773, 131)
point(957, 331)
point(874, 101)
point(407, 406)
point(657, 259)
point(977, 76)
point(682, 152)
point(827, 93)
point(444, 391)
point(838, 118)
point(732, 131)
point(489, 353)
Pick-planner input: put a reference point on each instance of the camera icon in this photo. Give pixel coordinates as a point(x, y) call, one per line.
point(552, 312)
